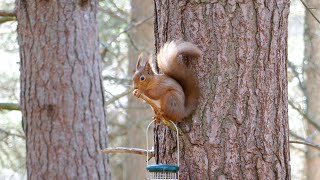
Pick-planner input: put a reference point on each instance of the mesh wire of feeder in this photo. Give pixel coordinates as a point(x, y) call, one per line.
point(162, 175)
point(163, 171)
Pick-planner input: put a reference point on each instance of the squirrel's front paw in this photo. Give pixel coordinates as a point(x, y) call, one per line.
point(157, 119)
point(158, 116)
point(136, 93)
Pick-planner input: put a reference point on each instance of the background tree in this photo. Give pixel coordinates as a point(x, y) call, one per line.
point(62, 100)
point(117, 31)
point(240, 129)
point(12, 139)
point(140, 39)
point(312, 85)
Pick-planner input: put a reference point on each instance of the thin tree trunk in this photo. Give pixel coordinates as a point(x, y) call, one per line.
point(240, 128)
point(62, 99)
point(139, 114)
point(312, 69)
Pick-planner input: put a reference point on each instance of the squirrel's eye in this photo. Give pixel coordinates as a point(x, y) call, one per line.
point(142, 78)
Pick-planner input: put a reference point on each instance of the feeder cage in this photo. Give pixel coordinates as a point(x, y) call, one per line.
point(163, 171)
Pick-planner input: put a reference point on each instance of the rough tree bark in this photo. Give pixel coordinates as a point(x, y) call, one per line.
point(61, 90)
point(139, 114)
point(312, 58)
point(240, 128)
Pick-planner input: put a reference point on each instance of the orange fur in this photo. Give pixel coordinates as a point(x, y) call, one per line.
point(177, 88)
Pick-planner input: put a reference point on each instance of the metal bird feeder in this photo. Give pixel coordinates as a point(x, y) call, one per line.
point(163, 171)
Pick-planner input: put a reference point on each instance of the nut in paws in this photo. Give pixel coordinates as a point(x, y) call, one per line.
point(136, 93)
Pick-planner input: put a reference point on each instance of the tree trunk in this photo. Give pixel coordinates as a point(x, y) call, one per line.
point(240, 128)
point(62, 99)
point(312, 58)
point(139, 114)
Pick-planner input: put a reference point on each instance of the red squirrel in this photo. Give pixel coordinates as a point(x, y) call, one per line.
point(176, 91)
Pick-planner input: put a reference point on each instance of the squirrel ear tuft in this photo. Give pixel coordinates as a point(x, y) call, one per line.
point(139, 61)
point(148, 69)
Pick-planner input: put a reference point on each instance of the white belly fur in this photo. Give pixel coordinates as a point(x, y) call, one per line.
point(156, 102)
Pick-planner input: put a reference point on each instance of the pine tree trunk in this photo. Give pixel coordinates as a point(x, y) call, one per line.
point(61, 90)
point(240, 128)
point(312, 69)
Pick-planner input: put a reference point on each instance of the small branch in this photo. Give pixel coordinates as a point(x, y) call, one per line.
point(6, 19)
point(306, 143)
point(104, 51)
point(118, 9)
point(12, 134)
point(304, 115)
point(303, 140)
point(297, 136)
point(132, 42)
point(124, 150)
point(133, 25)
point(126, 30)
point(7, 13)
point(309, 9)
point(115, 98)
point(9, 106)
point(112, 14)
point(120, 80)
point(296, 74)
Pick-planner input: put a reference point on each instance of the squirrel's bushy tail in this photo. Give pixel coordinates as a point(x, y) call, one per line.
point(169, 64)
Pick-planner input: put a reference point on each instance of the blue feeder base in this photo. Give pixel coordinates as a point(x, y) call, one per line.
point(162, 168)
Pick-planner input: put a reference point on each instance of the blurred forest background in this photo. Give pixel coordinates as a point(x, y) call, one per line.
point(126, 29)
